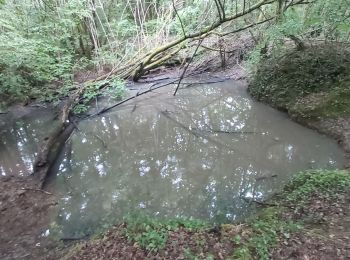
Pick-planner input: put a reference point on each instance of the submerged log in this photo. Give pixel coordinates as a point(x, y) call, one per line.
point(52, 145)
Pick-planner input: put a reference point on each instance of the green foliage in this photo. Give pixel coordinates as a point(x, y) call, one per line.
point(189, 255)
point(242, 253)
point(115, 89)
point(330, 17)
point(152, 234)
point(267, 228)
point(27, 66)
point(325, 183)
point(189, 18)
point(320, 20)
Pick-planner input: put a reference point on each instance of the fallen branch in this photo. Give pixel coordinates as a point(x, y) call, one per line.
point(151, 88)
point(229, 132)
point(188, 64)
point(153, 59)
point(188, 84)
point(52, 145)
point(39, 190)
point(104, 110)
point(191, 131)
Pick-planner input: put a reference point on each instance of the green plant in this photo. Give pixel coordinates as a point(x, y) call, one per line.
point(117, 88)
point(28, 67)
point(189, 255)
point(266, 229)
point(325, 183)
point(152, 234)
point(80, 108)
point(242, 253)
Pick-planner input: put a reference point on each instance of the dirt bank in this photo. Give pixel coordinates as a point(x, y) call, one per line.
point(25, 211)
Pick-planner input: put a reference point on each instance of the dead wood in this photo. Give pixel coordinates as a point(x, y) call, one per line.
point(213, 131)
point(38, 190)
point(51, 146)
point(188, 64)
point(153, 87)
point(136, 68)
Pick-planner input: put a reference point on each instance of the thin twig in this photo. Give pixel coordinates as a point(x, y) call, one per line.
point(178, 17)
point(184, 71)
point(39, 190)
point(104, 110)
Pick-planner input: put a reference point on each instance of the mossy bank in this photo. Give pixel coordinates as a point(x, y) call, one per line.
point(312, 85)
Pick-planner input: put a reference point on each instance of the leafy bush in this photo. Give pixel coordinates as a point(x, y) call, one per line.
point(27, 66)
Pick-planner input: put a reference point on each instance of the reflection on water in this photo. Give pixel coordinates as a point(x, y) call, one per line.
point(203, 154)
point(19, 139)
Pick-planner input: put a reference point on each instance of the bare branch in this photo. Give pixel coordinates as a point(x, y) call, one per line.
point(178, 17)
point(188, 64)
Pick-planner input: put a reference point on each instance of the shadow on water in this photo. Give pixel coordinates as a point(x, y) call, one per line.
point(205, 153)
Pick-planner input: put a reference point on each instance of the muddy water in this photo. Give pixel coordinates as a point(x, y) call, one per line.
point(205, 153)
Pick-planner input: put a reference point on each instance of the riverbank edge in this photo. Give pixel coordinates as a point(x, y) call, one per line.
point(312, 86)
point(303, 218)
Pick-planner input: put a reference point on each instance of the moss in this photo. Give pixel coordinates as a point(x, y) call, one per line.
point(333, 104)
point(289, 81)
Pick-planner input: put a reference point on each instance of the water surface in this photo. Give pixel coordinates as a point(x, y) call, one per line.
point(20, 135)
point(205, 153)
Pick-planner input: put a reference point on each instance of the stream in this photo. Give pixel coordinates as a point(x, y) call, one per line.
point(206, 153)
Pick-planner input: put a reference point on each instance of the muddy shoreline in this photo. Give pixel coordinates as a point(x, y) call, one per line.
point(25, 211)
